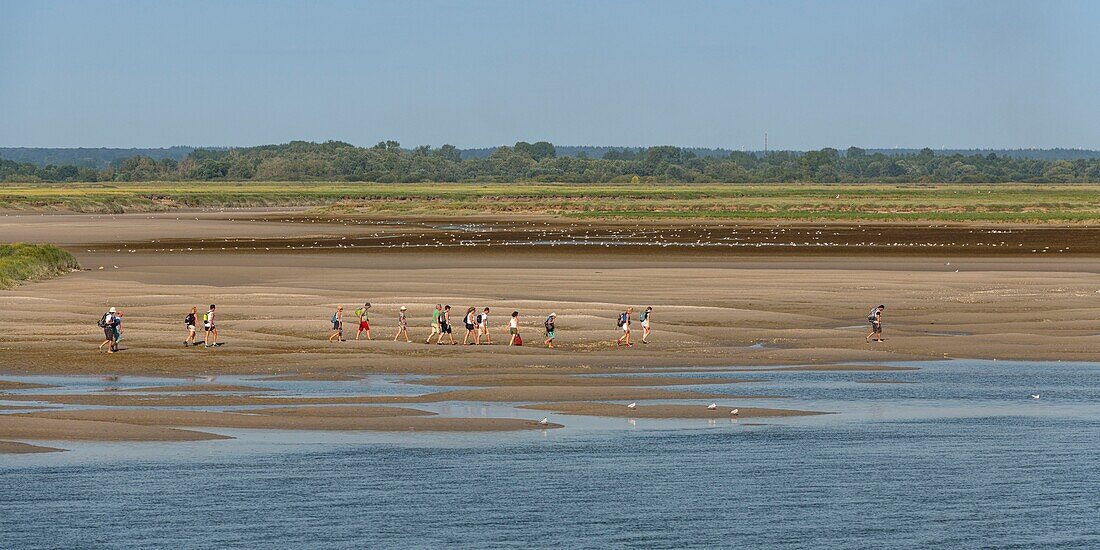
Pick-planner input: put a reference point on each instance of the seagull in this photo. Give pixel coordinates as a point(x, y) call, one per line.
point(1035, 396)
point(632, 406)
point(712, 406)
point(733, 412)
point(544, 421)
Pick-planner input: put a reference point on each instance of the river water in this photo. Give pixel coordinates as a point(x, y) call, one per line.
point(961, 457)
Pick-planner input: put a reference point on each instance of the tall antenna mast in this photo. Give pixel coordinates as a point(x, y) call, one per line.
point(765, 144)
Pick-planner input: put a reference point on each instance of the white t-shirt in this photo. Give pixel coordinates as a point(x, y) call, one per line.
point(484, 320)
point(514, 323)
point(210, 318)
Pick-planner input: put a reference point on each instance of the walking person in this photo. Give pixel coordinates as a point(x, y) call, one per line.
point(624, 323)
point(210, 326)
point(108, 322)
point(189, 322)
point(644, 318)
point(471, 327)
point(875, 318)
point(549, 326)
point(445, 326)
point(402, 325)
point(513, 330)
point(436, 313)
point(483, 327)
point(337, 325)
point(364, 322)
point(118, 329)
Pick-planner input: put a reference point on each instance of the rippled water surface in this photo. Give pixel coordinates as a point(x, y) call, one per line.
point(961, 457)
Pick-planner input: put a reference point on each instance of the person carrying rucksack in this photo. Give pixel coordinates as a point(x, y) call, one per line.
point(108, 321)
point(189, 323)
point(549, 326)
point(875, 318)
point(445, 326)
point(470, 321)
point(645, 317)
point(624, 323)
point(483, 327)
point(337, 324)
point(211, 327)
point(363, 313)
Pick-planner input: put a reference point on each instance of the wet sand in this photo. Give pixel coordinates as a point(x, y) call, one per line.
point(12, 385)
point(15, 448)
point(487, 395)
point(665, 411)
point(713, 307)
point(257, 421)
point(21, 426)
point(200, 388)
point(500, 380)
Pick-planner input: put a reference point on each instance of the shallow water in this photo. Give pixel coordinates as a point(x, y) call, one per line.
point(963, 457)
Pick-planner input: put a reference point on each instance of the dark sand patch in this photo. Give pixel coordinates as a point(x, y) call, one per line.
point(24, 407)
point(310, 377)
point(28, 426)
point(16, 448)
point(499, 380)
point(13, 385)
point(506, 394)
point(339, 411)
point(293, 422)
point(665, 411)
point(200, 388)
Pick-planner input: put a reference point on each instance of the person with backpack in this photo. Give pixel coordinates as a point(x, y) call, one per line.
point(445, 326)
point(624, 323)
point(364, 321)
point(483, 327)
point(471, 326)
point(875, 318)
point(402, 325)
point(211, 327)
point(549, 326)
point(646, 315)
point(513, 330)
point(337, 324)
point(435, 323)
point(189, 323)
point(108, 321)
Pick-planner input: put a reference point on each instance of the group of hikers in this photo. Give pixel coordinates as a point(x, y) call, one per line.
point(476, 324)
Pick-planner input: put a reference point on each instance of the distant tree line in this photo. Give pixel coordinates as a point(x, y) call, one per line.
point(389, 162)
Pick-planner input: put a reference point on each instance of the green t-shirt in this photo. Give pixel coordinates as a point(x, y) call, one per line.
point(435, 316)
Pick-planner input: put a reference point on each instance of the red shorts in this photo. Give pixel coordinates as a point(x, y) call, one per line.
point(363, 325)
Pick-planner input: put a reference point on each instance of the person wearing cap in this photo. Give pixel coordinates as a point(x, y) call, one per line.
point(402, 325)
point(109, 322)
point(364, 321)
point(549, 325)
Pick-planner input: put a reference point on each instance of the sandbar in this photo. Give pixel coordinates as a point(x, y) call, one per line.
point(499, 380)
point(13, 385)
point(200, 388)
point(16, 448)
point(28, 426)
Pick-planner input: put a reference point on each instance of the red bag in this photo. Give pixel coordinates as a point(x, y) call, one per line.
point(519, 341)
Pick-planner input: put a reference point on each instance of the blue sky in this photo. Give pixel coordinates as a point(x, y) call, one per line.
point(716, 74)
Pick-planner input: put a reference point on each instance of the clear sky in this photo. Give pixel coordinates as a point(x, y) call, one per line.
point(475, 73)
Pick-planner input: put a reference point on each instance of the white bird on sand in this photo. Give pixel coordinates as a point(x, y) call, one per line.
point(733, 412)
point(544, 421)
point(712, 406)
point(632, 406)
point(1035, 396)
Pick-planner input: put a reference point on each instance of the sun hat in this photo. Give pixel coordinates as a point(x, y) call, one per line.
point(403, 308)
point(112, 310)
point(553, 314)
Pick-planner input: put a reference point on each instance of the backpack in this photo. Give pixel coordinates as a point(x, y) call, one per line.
point(334, 319)
point(206, 318)
point(359, 312)
point(189, 320)
point(480, 319)
point(643, 316)
point(102, 322)
point(622, 319)
point(873, 316)
point(548, 324)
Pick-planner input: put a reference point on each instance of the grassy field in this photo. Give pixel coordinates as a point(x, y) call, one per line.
point(1021, 203)
point(27, 262)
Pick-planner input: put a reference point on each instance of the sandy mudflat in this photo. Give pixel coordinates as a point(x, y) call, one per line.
point(12, 385)
point(201, 419)
point(23, 407)
point(833, 368)
point(498, 380)
point(505, 394)
point(665, 411)
point(341, 411)
point(15, 448)
point(710, 305)
point(22, 426)
point(311, 377)
point(200, 388)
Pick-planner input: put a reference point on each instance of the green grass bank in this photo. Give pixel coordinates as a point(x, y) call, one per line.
point(29, 262)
